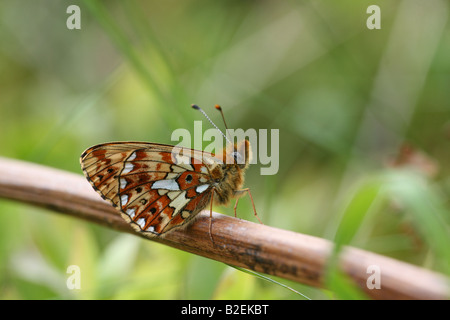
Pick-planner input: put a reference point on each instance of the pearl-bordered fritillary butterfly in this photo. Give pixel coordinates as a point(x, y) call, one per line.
point(158, 188)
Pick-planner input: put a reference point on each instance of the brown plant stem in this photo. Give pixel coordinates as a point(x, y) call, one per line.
point(286, 254)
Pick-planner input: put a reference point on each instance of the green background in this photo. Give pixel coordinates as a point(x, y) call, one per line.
point(346, 99)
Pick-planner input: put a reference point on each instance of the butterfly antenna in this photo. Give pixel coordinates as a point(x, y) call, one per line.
point(196, 107)
point(223, 117)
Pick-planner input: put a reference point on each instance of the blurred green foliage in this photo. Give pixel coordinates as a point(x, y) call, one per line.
point(364, 119)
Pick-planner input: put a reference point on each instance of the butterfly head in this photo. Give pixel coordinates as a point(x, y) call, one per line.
point(236, 153)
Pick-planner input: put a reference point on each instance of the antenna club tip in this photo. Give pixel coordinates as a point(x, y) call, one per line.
point(196, 107)
point(218, 107)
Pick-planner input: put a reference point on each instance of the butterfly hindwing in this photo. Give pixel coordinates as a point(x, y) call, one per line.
point(155, 187)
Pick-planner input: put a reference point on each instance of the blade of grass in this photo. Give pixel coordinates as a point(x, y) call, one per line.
point(253, 273)
point(362, 201)
point(120, 40)
point(426, 207)
point(153, 47)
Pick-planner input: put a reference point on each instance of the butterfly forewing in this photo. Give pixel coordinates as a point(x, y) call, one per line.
point(155, 187)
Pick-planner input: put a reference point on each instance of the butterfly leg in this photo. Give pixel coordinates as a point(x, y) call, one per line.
point(210, 215)
point(238, 193)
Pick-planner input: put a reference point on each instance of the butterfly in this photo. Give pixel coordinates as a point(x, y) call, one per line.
point(158, 188)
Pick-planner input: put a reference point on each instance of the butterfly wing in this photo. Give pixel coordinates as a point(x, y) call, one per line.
point(155, 187)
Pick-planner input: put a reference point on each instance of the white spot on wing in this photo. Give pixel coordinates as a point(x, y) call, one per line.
point(166, 184)
point(128, 167)
point(202, 188)
point(132, 157)
point(131, 213)
point(151, 228)
point(141, 222)
point(123, 183)
point(123, 199)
